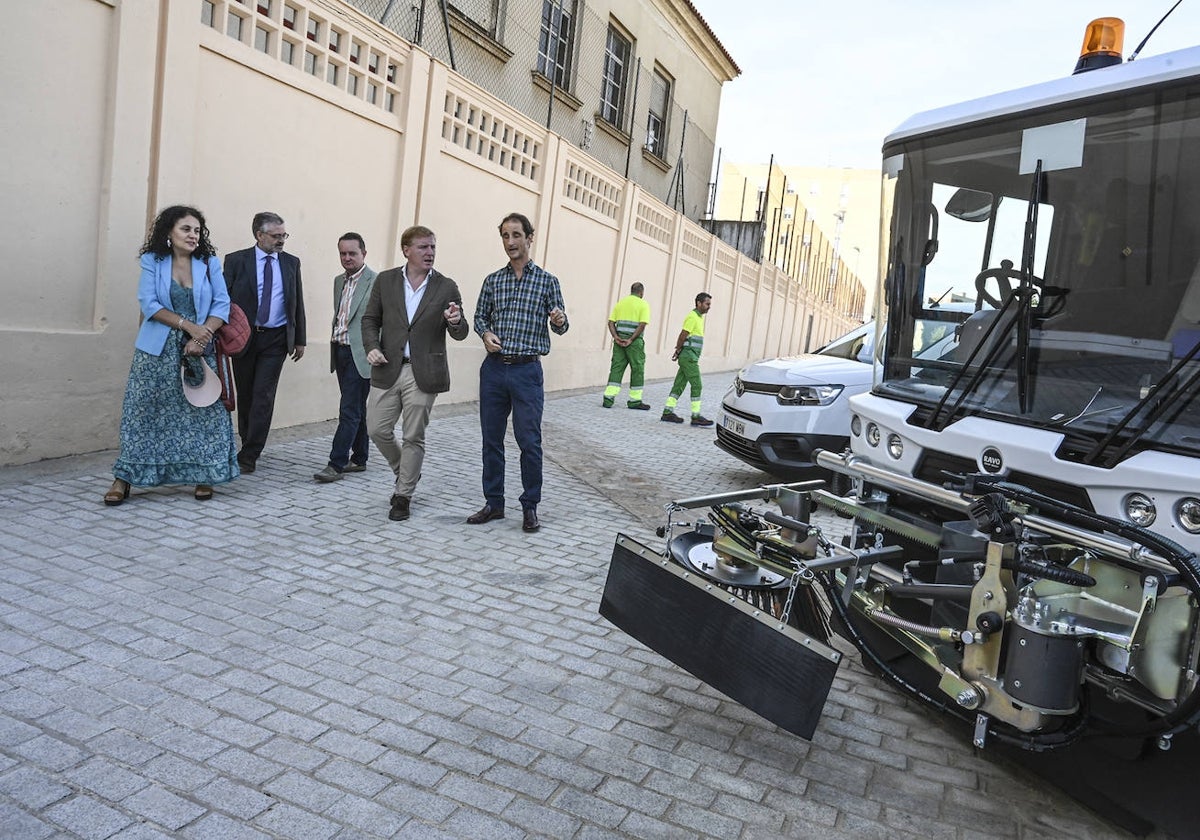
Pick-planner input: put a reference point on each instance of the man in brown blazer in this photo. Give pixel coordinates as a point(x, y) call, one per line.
point(410, 311)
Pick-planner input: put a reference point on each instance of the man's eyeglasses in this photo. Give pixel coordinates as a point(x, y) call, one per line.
point(278, 237)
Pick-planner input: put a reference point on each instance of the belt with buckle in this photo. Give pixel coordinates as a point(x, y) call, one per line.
point(518, 360)
point(261, 329)
point(405, 360)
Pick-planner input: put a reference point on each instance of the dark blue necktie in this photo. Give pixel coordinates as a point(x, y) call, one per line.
point(264, 302)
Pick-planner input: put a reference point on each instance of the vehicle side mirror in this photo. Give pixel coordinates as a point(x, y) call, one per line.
point(970, 205)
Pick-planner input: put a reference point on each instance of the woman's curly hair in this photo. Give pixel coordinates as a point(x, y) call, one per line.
point(158, 240)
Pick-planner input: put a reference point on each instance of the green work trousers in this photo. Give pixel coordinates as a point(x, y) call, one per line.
point(632, 357)
point(689, 374)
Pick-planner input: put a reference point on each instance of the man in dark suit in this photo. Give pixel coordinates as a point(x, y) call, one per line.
point(410, 311)
point(265, 282)
point(348, 359)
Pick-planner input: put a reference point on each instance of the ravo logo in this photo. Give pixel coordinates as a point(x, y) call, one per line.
point(991, 461)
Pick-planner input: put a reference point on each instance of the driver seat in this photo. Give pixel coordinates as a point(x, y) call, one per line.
point(974, 331)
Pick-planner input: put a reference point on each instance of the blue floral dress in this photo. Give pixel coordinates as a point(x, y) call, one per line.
point(164, 438)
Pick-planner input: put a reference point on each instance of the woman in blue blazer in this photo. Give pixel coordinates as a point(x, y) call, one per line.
point(165, 438)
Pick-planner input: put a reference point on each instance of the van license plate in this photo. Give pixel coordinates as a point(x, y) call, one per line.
point(735, 426)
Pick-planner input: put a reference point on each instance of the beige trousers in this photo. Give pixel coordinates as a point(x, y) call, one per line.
point(408, 404)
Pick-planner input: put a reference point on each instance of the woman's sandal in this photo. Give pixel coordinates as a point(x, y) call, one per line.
point(118, 493)
point(203, 492)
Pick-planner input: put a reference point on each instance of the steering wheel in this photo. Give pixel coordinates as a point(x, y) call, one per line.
point(1005, 275)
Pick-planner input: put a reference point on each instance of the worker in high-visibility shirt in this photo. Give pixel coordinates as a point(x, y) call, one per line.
point(626, 324)
point(687, 353)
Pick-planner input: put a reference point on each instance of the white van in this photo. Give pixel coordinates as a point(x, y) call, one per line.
point(778, 411)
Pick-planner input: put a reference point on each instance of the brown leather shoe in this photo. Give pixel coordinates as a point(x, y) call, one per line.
point(116, 494)
point(485, 514)
point(529, 522)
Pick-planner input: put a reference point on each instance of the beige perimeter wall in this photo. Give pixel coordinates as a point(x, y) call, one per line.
point(143, 103)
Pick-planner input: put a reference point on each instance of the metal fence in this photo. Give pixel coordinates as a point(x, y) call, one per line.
point(588, 84)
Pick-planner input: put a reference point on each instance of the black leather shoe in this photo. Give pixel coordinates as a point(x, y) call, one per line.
point(485, 514)
point(530, 522)
point(400, 508)
point(246, 467)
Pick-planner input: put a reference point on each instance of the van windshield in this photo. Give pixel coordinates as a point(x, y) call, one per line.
point(855, 345)
point(1050, 269)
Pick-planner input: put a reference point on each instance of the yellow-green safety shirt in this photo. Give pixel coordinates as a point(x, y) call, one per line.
point(630, 311)
point(693, 325)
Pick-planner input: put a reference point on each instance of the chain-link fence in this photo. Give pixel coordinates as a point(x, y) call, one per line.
point(577, 73)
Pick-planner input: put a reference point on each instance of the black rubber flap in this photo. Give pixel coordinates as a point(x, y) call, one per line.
point(780, 674)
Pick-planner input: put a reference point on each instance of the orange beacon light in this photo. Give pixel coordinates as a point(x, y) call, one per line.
point(1102, 44)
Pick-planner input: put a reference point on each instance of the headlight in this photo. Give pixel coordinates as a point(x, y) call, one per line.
point(1188, 514)
point(895, 446)
point(856, 425)
point(808, 394)
point(872, 434)
point(1140, 510)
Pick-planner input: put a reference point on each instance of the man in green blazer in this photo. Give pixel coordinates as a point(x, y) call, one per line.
point(348, 359)
point(411, 310)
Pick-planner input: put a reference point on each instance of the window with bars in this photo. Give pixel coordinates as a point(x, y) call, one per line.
point(616, 77)
point(656, 119)
point(556, 41)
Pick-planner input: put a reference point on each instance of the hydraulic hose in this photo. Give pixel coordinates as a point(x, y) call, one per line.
point(1187, 713)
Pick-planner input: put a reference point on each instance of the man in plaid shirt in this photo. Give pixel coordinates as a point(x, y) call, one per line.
point(516, 304)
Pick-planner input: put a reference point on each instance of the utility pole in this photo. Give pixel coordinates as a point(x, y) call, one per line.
point(677, 178)
point(556, 31)
point(837, 251)
point(449, 40)
point(632, 115)
point(762, 209)
point(712, 188)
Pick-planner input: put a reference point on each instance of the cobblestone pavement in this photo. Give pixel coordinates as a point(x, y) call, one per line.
point(283, 661)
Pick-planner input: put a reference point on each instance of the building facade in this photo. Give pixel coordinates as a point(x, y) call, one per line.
point(635, 83)
point(312, 110)
point(817, 224)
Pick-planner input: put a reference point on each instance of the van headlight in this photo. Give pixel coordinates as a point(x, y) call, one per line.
point(873, 434)
point(1140, 510)
point(808, 394)
point(1188, 514)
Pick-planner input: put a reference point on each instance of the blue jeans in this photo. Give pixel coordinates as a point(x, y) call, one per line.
point(350, 439)
point(516, 390)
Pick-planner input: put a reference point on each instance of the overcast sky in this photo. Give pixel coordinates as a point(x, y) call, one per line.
point(824, 82)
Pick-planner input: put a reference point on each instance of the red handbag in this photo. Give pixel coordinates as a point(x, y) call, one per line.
point(234, 334)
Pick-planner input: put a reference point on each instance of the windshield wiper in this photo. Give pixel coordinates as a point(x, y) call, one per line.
point(1023, 296)
point(994, 346)
point(1025, 290)
point(1154, 392)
